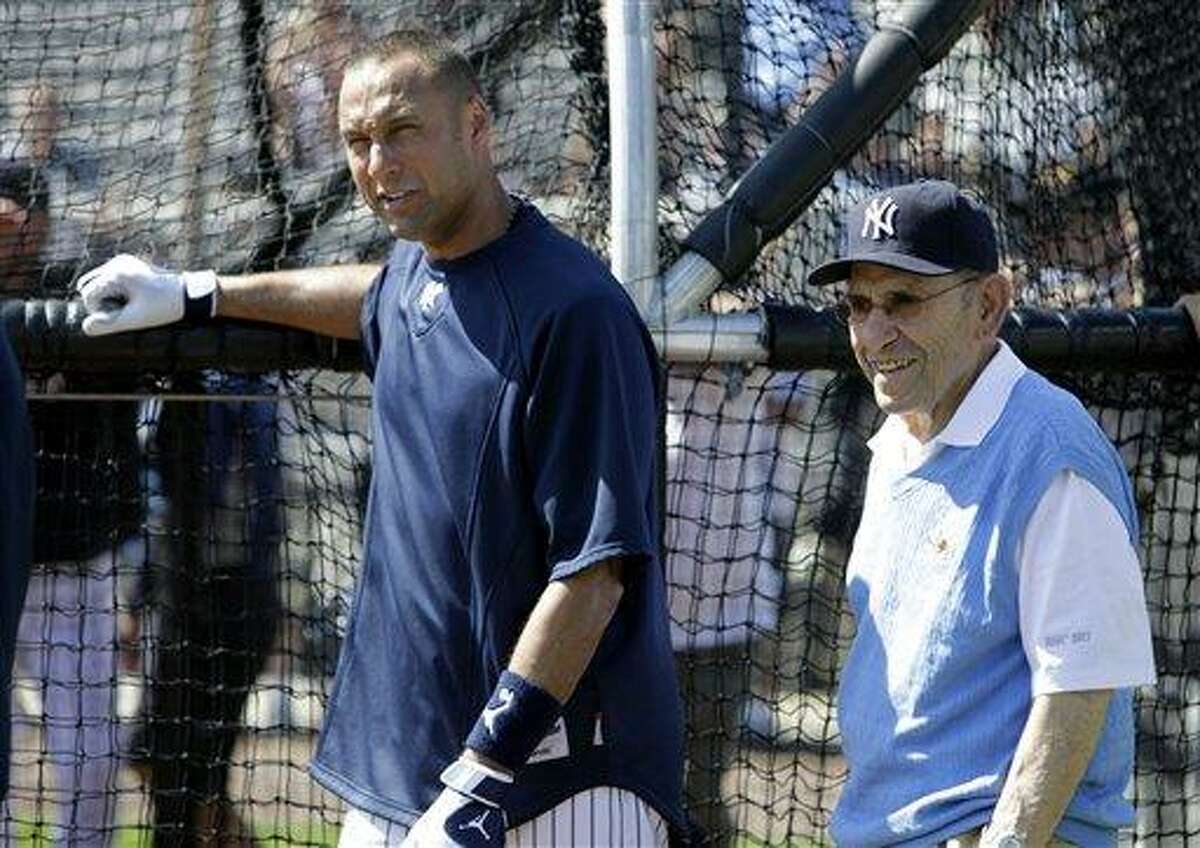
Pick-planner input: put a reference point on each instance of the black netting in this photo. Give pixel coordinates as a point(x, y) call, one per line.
point(199, 531)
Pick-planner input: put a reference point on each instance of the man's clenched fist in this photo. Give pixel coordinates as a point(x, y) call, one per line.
point(127, 293)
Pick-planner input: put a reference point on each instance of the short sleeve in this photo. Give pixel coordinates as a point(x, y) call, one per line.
point(368, 323)
point(590, 435)
point(1082, 605)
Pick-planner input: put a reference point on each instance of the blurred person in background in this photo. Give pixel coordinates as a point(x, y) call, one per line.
point(730, 505)
point(306, 56)
point(70, 169)
point(24, 225)
point(792, 51)
point(209, 593)
point(305, 62)
point(87, 506)
point(1087, 247)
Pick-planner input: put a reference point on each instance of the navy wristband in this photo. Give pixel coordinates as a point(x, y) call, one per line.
point(197, 310)
point(199, 296)
point(516, 718)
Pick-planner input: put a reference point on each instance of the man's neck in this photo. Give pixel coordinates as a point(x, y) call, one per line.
point(482, 222)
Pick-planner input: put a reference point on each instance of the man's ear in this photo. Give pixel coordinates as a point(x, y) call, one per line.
point(479, 119)
point(995, 300)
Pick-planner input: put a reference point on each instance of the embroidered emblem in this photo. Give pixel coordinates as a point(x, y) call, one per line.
point(490, 713)
point(427, 301)
point(879, 218)
point(477, 823)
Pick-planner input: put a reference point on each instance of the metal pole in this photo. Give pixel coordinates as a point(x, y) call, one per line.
point(737, 337)
point(196, 126)
point(633, 123)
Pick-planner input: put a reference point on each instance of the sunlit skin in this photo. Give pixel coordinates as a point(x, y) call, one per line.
point(420, 156)
point(921, 366)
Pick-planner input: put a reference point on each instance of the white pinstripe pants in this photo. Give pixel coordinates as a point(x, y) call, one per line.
point(603, 817)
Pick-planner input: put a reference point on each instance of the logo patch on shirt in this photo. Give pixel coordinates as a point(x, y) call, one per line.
point(430, 298)
point(948, 539)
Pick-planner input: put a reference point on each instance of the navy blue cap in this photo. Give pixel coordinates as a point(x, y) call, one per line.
point(928, 228)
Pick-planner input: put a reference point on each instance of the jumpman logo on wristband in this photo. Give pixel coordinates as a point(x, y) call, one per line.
point(477, 823)
point(505, 696)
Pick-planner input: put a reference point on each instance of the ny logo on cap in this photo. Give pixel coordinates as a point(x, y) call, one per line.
point(878, 218)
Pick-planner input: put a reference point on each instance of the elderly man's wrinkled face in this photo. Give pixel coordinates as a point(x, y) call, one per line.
point(415, 151)
point(920, 341)
point(22, 236)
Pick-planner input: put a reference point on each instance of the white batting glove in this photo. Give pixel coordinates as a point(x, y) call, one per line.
point(127, 293)
point(467, 814)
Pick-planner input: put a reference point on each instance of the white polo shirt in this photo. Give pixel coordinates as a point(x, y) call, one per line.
point(1078, 571)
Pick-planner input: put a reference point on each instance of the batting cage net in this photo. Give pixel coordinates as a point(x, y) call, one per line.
point(198, 527)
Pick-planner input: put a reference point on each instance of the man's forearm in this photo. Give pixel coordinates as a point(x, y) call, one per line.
point(1056, 746)
point(325, 300)
point(565, 627)
point(563, 632)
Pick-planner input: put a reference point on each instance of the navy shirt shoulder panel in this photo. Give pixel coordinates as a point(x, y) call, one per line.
point(547, 275)
point(590, 394)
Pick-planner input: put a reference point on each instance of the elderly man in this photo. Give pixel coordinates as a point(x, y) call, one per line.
point(994, 579)
point(507, 665)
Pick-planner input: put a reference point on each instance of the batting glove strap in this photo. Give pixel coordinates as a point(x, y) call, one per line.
point(514, 721)
point(475, 780)
point(200, 295)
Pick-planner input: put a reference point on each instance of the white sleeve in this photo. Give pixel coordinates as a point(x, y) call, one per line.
point(1082, 606)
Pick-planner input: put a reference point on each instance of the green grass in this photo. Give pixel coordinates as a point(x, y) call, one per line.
point(317, 836)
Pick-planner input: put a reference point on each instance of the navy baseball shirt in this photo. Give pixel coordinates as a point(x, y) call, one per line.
point(514, 422)
point(16, 527)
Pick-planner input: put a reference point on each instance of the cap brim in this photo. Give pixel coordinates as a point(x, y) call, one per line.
point(839, 269)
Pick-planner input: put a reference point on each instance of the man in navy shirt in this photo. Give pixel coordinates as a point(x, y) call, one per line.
point(16, 527)
point(16, 455)
point(507, 665)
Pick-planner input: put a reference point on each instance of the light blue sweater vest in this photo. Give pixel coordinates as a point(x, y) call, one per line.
point(936, 689)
